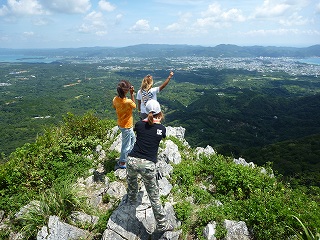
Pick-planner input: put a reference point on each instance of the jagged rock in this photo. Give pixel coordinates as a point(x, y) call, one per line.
point(57, 230)
point(4, 221)
point(33, 205)
point(164, 168)
point(16, 236)
point(116, 145)
point(170, 153)
point(210, 230)
point(92, 190)
point(101, 153)
point(164, 186)
point(3, 225)
point(243, 162)
point(116, 190)
point(99, 173)
point(111, 134)
point(98, 148)
point(264, 171)
point(1, 215)
point(121, 173)
point(207, 151)
point(136, 222)
point(236, 230)
point(83, 218)
point(177, 132)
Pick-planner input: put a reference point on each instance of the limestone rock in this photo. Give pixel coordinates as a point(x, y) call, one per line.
point(57, 230)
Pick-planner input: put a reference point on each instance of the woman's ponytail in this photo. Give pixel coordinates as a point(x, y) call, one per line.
point(150, 118)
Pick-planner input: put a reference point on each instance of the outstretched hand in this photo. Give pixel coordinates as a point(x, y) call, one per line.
point(171, 74)
point(131, 90)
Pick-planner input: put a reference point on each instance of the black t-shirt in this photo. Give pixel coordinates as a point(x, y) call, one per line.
point(147, 141)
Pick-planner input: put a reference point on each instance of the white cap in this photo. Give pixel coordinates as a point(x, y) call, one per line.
point(153, 106)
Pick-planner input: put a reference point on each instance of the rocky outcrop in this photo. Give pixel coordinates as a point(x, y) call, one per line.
point(57, 230)
point(136, 222)
point(235, 230)
point(128, 222)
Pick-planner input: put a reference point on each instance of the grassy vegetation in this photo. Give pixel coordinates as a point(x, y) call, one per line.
point(44, 170)
point(263, 202)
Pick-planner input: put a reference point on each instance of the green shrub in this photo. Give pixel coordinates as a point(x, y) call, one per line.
point(305, 233)
point(61, 201)
point(58, 154)
point(263, 202)
point(183, 210)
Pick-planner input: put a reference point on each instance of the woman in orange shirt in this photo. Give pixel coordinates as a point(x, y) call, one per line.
point(124, 107)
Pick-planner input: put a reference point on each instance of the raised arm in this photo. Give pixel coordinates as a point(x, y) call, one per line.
point(164, 84)
point(132, 94)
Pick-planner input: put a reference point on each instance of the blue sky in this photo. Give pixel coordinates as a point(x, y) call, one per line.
point(88, 23)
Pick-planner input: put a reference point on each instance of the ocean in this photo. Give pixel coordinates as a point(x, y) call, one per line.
point(314, 60)
point(13, 58)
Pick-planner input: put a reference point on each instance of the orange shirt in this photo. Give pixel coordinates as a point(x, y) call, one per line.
point(124, 107)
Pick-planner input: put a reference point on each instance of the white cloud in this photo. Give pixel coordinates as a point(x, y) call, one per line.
point(185, 17)
point(272, 8)
point(4, 10)
point(294, 20)
point(94, 23)
point(118, 18)
point(84, 28)
point(96, 18)
point(68, 6)
point(210, 22)
point(28, 34)
point(101, 33)
point(24, 7)
point(281, 32)
point(179, 2)
point(141, 25)
point(233, 15)
point(216, 17)
point(182, 25)
point(174, 27)
point(318, 8)
point(106, 6)
point(40, 21)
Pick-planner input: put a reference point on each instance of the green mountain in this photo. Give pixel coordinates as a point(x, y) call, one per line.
point(167, 50)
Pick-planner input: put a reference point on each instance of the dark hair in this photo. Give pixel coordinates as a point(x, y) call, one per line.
point(123, 87)
point(151, 116)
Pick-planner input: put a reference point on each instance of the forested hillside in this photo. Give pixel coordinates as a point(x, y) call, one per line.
point(167, 50)
point(240, 106)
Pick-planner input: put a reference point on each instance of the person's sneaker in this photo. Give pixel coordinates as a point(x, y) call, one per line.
point(121, 165)
point(166, 228)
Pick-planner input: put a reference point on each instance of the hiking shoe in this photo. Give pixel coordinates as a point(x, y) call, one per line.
point(121, 165)
point(168, 227)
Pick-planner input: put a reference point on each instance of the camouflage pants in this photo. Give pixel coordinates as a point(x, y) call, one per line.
point(147, 170)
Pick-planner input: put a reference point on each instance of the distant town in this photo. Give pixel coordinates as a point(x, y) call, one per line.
point(292, 66)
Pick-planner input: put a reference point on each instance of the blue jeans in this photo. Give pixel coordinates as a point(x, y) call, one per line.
point(128, 140)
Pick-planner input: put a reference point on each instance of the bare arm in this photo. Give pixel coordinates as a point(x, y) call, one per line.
point(132, 94)
point(139, 105)
point(164, 84)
